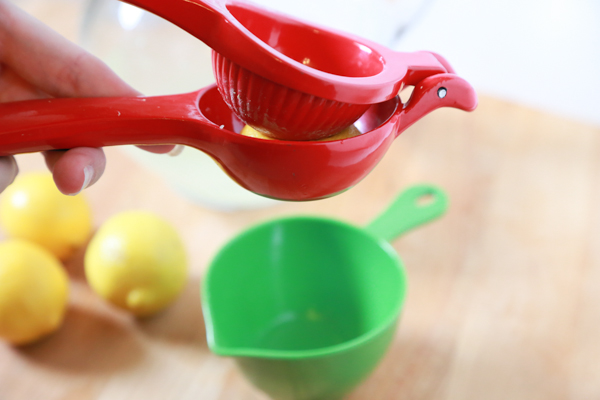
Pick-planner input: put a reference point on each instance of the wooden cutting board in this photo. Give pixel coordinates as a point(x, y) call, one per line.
point(503, 299)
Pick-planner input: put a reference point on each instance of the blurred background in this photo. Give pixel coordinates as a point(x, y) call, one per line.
point(543, 54)
point(503, 298)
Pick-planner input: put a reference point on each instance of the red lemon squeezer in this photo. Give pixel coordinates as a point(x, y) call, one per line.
point(317, 78)
point(278, 169)
point(289, 79)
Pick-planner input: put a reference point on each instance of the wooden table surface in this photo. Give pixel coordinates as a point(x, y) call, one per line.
point(504, 299)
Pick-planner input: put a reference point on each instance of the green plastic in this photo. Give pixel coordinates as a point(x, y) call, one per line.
point(309, 305)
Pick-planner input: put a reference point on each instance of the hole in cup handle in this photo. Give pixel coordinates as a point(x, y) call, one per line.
point(425, 200)
point(415, 206)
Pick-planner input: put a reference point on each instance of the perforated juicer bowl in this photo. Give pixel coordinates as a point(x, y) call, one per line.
point(278, 111)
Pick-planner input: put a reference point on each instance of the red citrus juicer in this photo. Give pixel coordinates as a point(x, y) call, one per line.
point(286, 170)
point(290, 79)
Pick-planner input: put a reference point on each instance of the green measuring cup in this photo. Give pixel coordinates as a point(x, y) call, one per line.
point(309, 305)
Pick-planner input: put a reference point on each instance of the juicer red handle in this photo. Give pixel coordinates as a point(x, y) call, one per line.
point(207, 20)
point(212, 23)
point(433, 92)
point(421, 64)
point(50, 124)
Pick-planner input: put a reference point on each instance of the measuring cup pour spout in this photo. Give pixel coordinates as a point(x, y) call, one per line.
point(308, 305)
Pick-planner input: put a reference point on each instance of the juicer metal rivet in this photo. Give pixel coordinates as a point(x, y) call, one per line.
point(442, 92)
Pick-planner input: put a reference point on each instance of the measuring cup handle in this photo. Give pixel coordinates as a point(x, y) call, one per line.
point(433, 92)
point(415, 206)
point(50, 124)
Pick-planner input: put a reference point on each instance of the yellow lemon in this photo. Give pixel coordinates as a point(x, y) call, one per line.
point(346, 133)
point(34, 290)
point(137, 262)
point(32, 208)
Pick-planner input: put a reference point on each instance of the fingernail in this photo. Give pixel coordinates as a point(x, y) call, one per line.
point(88, 174)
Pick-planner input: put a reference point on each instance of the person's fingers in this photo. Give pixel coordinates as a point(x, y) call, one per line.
point(14, 88)
point(51, 62)
point(43, 63)
point(75, 169)
point(8, 171)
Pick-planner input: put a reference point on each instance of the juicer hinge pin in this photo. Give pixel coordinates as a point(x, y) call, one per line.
point(442, 92)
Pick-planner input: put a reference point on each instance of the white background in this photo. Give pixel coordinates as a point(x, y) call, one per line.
point(541, 53)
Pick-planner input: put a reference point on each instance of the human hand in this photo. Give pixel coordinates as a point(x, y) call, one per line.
point(36, 62)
